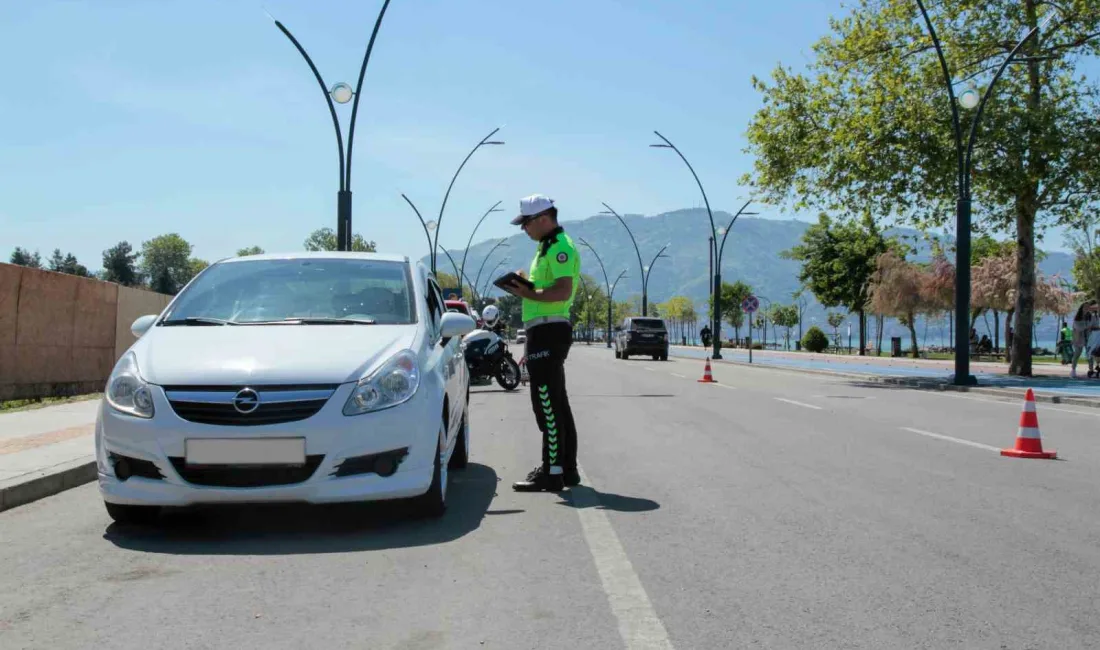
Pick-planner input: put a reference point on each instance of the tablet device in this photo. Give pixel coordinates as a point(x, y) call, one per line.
point(512, 278)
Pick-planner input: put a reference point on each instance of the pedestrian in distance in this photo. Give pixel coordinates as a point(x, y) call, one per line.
point(555, 273)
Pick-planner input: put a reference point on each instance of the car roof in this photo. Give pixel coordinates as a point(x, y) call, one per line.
point(334, 255)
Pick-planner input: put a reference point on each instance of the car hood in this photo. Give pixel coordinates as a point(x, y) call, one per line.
point(266, 354)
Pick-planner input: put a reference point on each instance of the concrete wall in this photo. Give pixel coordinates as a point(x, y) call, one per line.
point(60, 334)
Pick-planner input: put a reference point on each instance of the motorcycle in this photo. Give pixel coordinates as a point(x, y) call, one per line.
point(488, 357)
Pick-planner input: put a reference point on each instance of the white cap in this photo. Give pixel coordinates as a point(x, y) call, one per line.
point(531, 206)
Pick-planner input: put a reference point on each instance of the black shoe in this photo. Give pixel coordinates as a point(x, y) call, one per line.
point(540, 480)
point(572, 477)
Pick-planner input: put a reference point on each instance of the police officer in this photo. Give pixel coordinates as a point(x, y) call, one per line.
point(554, 272)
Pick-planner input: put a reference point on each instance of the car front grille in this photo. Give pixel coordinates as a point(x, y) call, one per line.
point(241, 406)
point(244, 476)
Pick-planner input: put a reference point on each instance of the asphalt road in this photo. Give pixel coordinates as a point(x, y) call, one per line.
point(772, 510)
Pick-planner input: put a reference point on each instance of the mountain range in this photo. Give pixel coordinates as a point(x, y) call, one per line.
point(752, 254)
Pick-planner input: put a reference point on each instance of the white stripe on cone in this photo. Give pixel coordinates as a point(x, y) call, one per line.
point(1028, 432)
point(1029, 406)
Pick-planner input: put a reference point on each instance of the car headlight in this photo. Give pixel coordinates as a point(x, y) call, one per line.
point(392, 384)
point(127, 391)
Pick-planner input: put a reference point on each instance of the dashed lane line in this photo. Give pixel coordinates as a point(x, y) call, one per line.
point(939, 436)
point(802, 404)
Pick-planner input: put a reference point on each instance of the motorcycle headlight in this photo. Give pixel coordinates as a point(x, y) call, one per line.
point(127, 391)
point(395, 382)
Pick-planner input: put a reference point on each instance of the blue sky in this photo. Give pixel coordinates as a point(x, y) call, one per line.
point(125, 120)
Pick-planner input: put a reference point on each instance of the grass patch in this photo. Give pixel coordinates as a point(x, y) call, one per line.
point(16, 405)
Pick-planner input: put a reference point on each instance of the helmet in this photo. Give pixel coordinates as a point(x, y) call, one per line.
point(490, 315)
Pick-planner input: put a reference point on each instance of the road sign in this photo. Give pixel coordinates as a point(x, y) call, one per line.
point(750, 304)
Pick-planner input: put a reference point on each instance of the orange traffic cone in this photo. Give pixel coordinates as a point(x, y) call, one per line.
point(1029, 443)
point(707, 378)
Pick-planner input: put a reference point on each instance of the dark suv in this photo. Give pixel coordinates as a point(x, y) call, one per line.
point(645, 336)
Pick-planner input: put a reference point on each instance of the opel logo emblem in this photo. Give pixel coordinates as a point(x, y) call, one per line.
point(246, 401)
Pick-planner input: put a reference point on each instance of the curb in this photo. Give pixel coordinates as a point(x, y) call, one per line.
point(48, 482)
point(1007, 394)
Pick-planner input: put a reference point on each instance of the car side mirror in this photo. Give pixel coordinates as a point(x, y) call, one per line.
point(455, 324)
point(142, 325)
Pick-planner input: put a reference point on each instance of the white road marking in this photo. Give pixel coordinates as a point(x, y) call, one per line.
point(678, 375)
point(968, 443)
point(639, 626)
point(648, 368)
point(802, 404)
point(1017, 402)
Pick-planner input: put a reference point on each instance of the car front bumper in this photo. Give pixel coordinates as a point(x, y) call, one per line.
point(335, 444)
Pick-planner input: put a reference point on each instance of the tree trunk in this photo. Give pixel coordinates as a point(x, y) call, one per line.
point(996, 330)
point(1010, 352)
point(1027, 204)
point(913, 335)
point(862, 333)
point(878, 336)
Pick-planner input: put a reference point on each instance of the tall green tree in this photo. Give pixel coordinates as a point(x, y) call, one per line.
point(21, 257)
point(67, 264)
point(867, 126)
point(324, 239)
point(166, 261)
point(838, 260)
point(120, 265)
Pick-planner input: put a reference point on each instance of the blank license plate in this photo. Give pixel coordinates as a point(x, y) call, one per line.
point(266, 451)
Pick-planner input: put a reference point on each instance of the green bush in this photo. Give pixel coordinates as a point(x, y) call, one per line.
point(815, 340)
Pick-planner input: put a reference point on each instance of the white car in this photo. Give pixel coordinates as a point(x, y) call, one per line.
point(521, 336)
point(313, 377)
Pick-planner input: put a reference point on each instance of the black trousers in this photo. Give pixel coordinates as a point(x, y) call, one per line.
point(547, 348)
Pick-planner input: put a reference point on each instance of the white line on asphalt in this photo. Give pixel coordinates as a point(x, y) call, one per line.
point(968, 443)
point(791, 401)
point(648, 368)
point(639, 626)
point(1016, 403)
point(678, 375)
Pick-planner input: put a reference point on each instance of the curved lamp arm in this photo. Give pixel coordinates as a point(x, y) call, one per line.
point(488, 255)
point(471, 239)
point(328, 99)
point(604, 270)
point(439, 219)
point(641, 266)
point(668, 144)
point(431, 253)
point(359, 88)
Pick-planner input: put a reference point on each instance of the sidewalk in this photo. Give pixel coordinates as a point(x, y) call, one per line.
point(1051, 382)
point(45, 451)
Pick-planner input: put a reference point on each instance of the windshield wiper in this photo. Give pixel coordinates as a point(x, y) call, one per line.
point(196, 320)
point(315, 320)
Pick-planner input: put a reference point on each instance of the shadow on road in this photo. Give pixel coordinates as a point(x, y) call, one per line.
point(291, 529)
point(574, 397)
point(583, 496)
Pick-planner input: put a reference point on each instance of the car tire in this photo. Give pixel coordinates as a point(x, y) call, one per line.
point(433, 503)
point(128, 515)
point(460, 457)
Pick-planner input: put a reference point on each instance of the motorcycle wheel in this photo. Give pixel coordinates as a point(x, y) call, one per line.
point(508, 374)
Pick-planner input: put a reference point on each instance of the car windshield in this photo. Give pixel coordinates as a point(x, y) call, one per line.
point(304, 290)
point(647, 324)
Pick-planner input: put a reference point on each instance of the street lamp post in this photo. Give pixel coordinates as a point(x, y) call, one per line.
point(342, 94)
point(719, 250)
point(969, 100)
point(607, 282)
point(638, 252)
point(716, 287)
